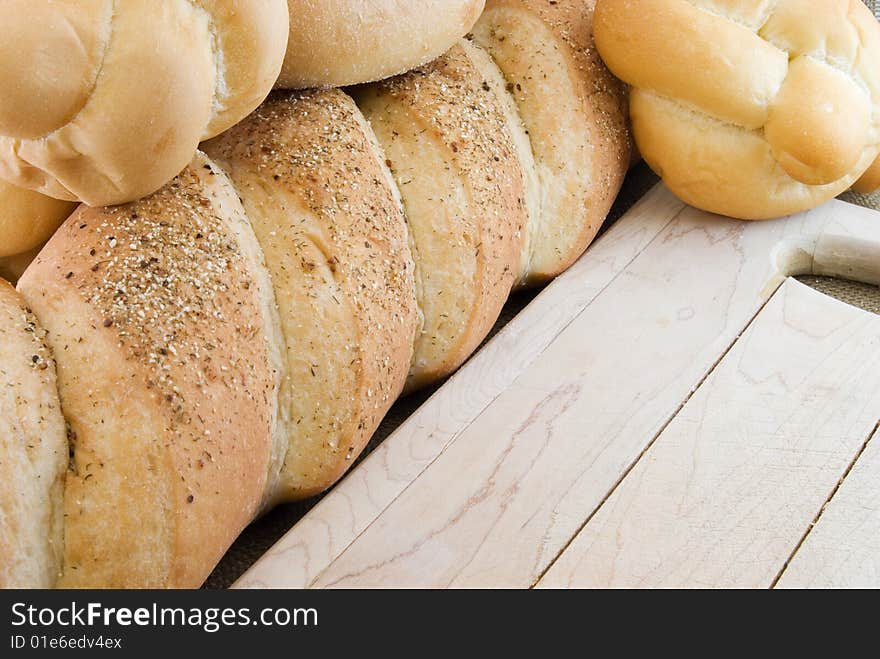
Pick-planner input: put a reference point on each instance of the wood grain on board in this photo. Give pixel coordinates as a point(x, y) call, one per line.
point(843, 549)
point(729, 488)
point(492, 478)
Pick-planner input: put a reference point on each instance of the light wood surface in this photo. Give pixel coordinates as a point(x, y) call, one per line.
point(732, 484)
point(843, 549)
point(492, 479)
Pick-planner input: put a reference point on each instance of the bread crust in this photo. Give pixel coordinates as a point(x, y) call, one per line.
point(50, 58)
point(698, 154)
point(753, 110)
point(575, 115)
point(157, 315)
point(468, 217)
point(346, 42)
point(335, 239)
point(33, 451)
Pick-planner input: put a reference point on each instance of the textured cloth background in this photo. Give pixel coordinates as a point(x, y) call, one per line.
point(261, 535)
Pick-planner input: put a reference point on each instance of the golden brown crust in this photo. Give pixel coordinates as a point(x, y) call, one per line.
point(346, 42)
point(156, 312)
point(336, 244)
point(780, 113)
point(455, 163)
point(575, 114)
point(33, 451)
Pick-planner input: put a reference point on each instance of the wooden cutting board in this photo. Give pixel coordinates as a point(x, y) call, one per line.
point(674, 411)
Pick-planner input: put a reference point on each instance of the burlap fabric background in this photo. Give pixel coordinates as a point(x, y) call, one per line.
point(265, 532)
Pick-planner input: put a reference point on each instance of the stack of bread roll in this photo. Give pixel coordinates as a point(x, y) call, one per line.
point(233, 340)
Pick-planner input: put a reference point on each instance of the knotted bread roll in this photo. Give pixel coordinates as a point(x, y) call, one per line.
point(104, 102)
point(747, 108)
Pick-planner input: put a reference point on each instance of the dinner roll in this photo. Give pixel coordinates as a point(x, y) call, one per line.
point(346, 42)
point(104, 102)
point(750, 109)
